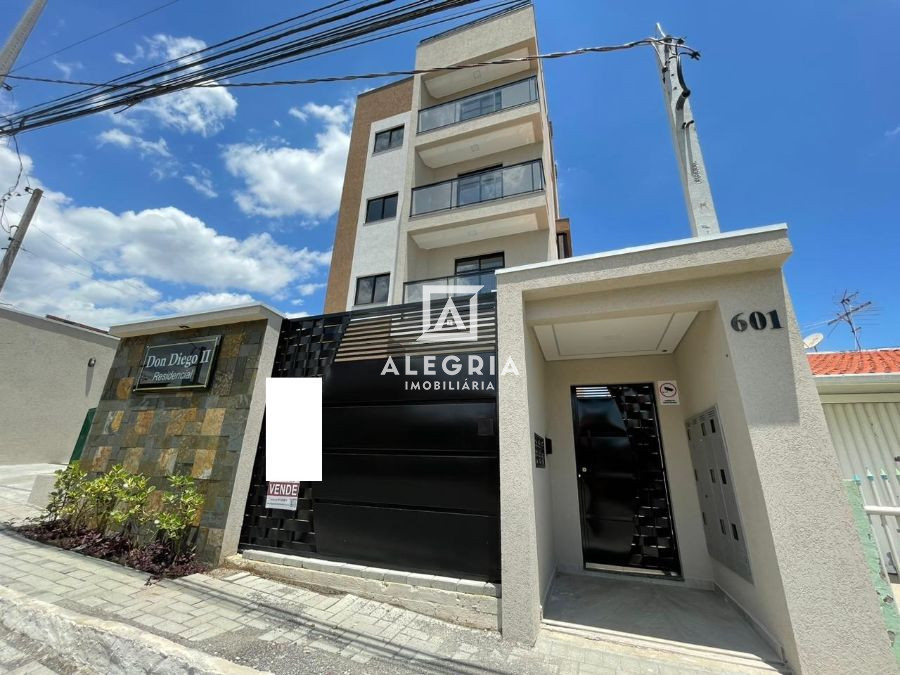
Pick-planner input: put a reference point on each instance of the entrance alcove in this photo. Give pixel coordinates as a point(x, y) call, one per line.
point(622, 548)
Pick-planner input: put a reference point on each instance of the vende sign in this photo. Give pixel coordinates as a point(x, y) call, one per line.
point(282, 496)
point(182, 365)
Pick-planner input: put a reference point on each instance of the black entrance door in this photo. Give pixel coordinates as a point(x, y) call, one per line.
point(626, 517)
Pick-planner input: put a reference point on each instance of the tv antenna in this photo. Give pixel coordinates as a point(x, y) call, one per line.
point(848, 310)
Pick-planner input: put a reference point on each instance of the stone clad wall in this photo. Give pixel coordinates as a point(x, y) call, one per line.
point(194, 432)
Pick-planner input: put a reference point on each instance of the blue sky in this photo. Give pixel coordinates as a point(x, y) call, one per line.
point(220, 197)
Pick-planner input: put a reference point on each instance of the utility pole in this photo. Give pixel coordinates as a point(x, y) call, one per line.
point(846, 315)
point(15, 241)
point(697, 193)
point(17, 40)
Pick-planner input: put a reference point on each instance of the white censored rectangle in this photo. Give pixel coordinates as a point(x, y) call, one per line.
point(293, 429)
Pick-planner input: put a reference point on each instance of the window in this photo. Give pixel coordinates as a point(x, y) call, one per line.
point(481, 105)
point(479, 186)
point(381, 208)
point(481, 263)
point(388, 139)
point(370, 290)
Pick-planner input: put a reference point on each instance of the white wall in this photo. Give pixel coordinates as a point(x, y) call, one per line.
point(518, 249)
point(706, 378)
point(543, 496)
point(47, 386)
point(375, 251)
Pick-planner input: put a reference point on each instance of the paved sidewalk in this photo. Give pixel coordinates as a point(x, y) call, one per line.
point(276, 627)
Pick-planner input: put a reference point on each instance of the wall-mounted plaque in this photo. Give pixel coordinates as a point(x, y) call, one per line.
point(182, 365)
point(540, 454)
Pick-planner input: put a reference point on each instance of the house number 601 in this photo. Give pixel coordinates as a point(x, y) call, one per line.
point(756, 321)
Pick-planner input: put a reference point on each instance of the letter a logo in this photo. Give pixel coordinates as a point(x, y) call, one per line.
point(450, 318)
point(450, 325)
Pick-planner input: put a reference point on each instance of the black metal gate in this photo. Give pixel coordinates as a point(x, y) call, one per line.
point(410, 461)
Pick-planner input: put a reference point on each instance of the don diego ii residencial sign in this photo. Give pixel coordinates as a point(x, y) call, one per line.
point(181, 365)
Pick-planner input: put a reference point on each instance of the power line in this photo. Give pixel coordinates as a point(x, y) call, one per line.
point(200, 51)
point(393, 73)
point(89, 262)
point(95, 35)
point(77, 271)
point(143, 88)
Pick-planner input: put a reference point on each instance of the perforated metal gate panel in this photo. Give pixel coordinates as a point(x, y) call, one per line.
point(721, 516)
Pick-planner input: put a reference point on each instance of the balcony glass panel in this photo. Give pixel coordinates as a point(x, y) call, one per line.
point(412, 290)
point(478, 105)
point(479, 187)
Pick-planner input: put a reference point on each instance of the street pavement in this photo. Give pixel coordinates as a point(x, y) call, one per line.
point(280, 628)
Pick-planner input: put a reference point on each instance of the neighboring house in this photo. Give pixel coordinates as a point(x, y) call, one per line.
point(53, 371)
point(860, 393)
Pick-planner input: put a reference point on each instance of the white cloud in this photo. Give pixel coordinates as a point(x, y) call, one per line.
point(130, 253)
point(121, 58)
point(202, 111)
point(331, 114)
point(286, 181)
point(68, 68)
point(201, 181)
point(309, 289)
point(299, 114)
point(201, 302)
point(892, 132)
point(129, 141)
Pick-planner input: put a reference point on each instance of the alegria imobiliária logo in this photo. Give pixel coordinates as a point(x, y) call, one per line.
point(448, 325)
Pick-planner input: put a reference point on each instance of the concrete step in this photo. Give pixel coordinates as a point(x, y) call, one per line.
point(679, 653)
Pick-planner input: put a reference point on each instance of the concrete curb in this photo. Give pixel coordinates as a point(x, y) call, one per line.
point(465, 609)
point(105, 646)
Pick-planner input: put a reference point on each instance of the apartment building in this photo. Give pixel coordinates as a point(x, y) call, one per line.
point(626, 443)
point(451, 174)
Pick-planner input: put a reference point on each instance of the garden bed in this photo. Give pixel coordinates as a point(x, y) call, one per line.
point(118, 516)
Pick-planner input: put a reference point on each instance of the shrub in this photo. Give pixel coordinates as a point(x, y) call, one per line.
point(180, 508)
point(81, 513)
point(132, 492)
point(67, 495)
point(101, 497)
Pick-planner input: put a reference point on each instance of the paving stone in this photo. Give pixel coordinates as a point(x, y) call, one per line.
point(229, 614)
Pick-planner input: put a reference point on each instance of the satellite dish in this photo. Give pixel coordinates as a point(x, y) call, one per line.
point(813, 341)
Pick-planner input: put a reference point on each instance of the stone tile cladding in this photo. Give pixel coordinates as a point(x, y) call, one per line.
point(198, 432)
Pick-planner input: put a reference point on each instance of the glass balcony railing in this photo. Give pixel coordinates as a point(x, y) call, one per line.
point(412, 290)
point(474, 188)
point(478, 105)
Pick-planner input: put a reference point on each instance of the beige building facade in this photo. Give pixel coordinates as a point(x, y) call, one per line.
point(449, 171)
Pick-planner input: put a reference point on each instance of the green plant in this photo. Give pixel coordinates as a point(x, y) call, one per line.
point(67, 495)
point(101, 496)
point(180, 507)
point(132, 492)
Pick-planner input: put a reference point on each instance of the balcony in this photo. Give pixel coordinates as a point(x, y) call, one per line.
point(491, 203)
point(412, 290)
point(477, 188)
point(478, 105)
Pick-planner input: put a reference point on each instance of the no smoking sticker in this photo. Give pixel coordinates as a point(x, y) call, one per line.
point(667, 392)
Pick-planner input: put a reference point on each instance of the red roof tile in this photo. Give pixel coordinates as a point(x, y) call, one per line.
point(855, 363)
